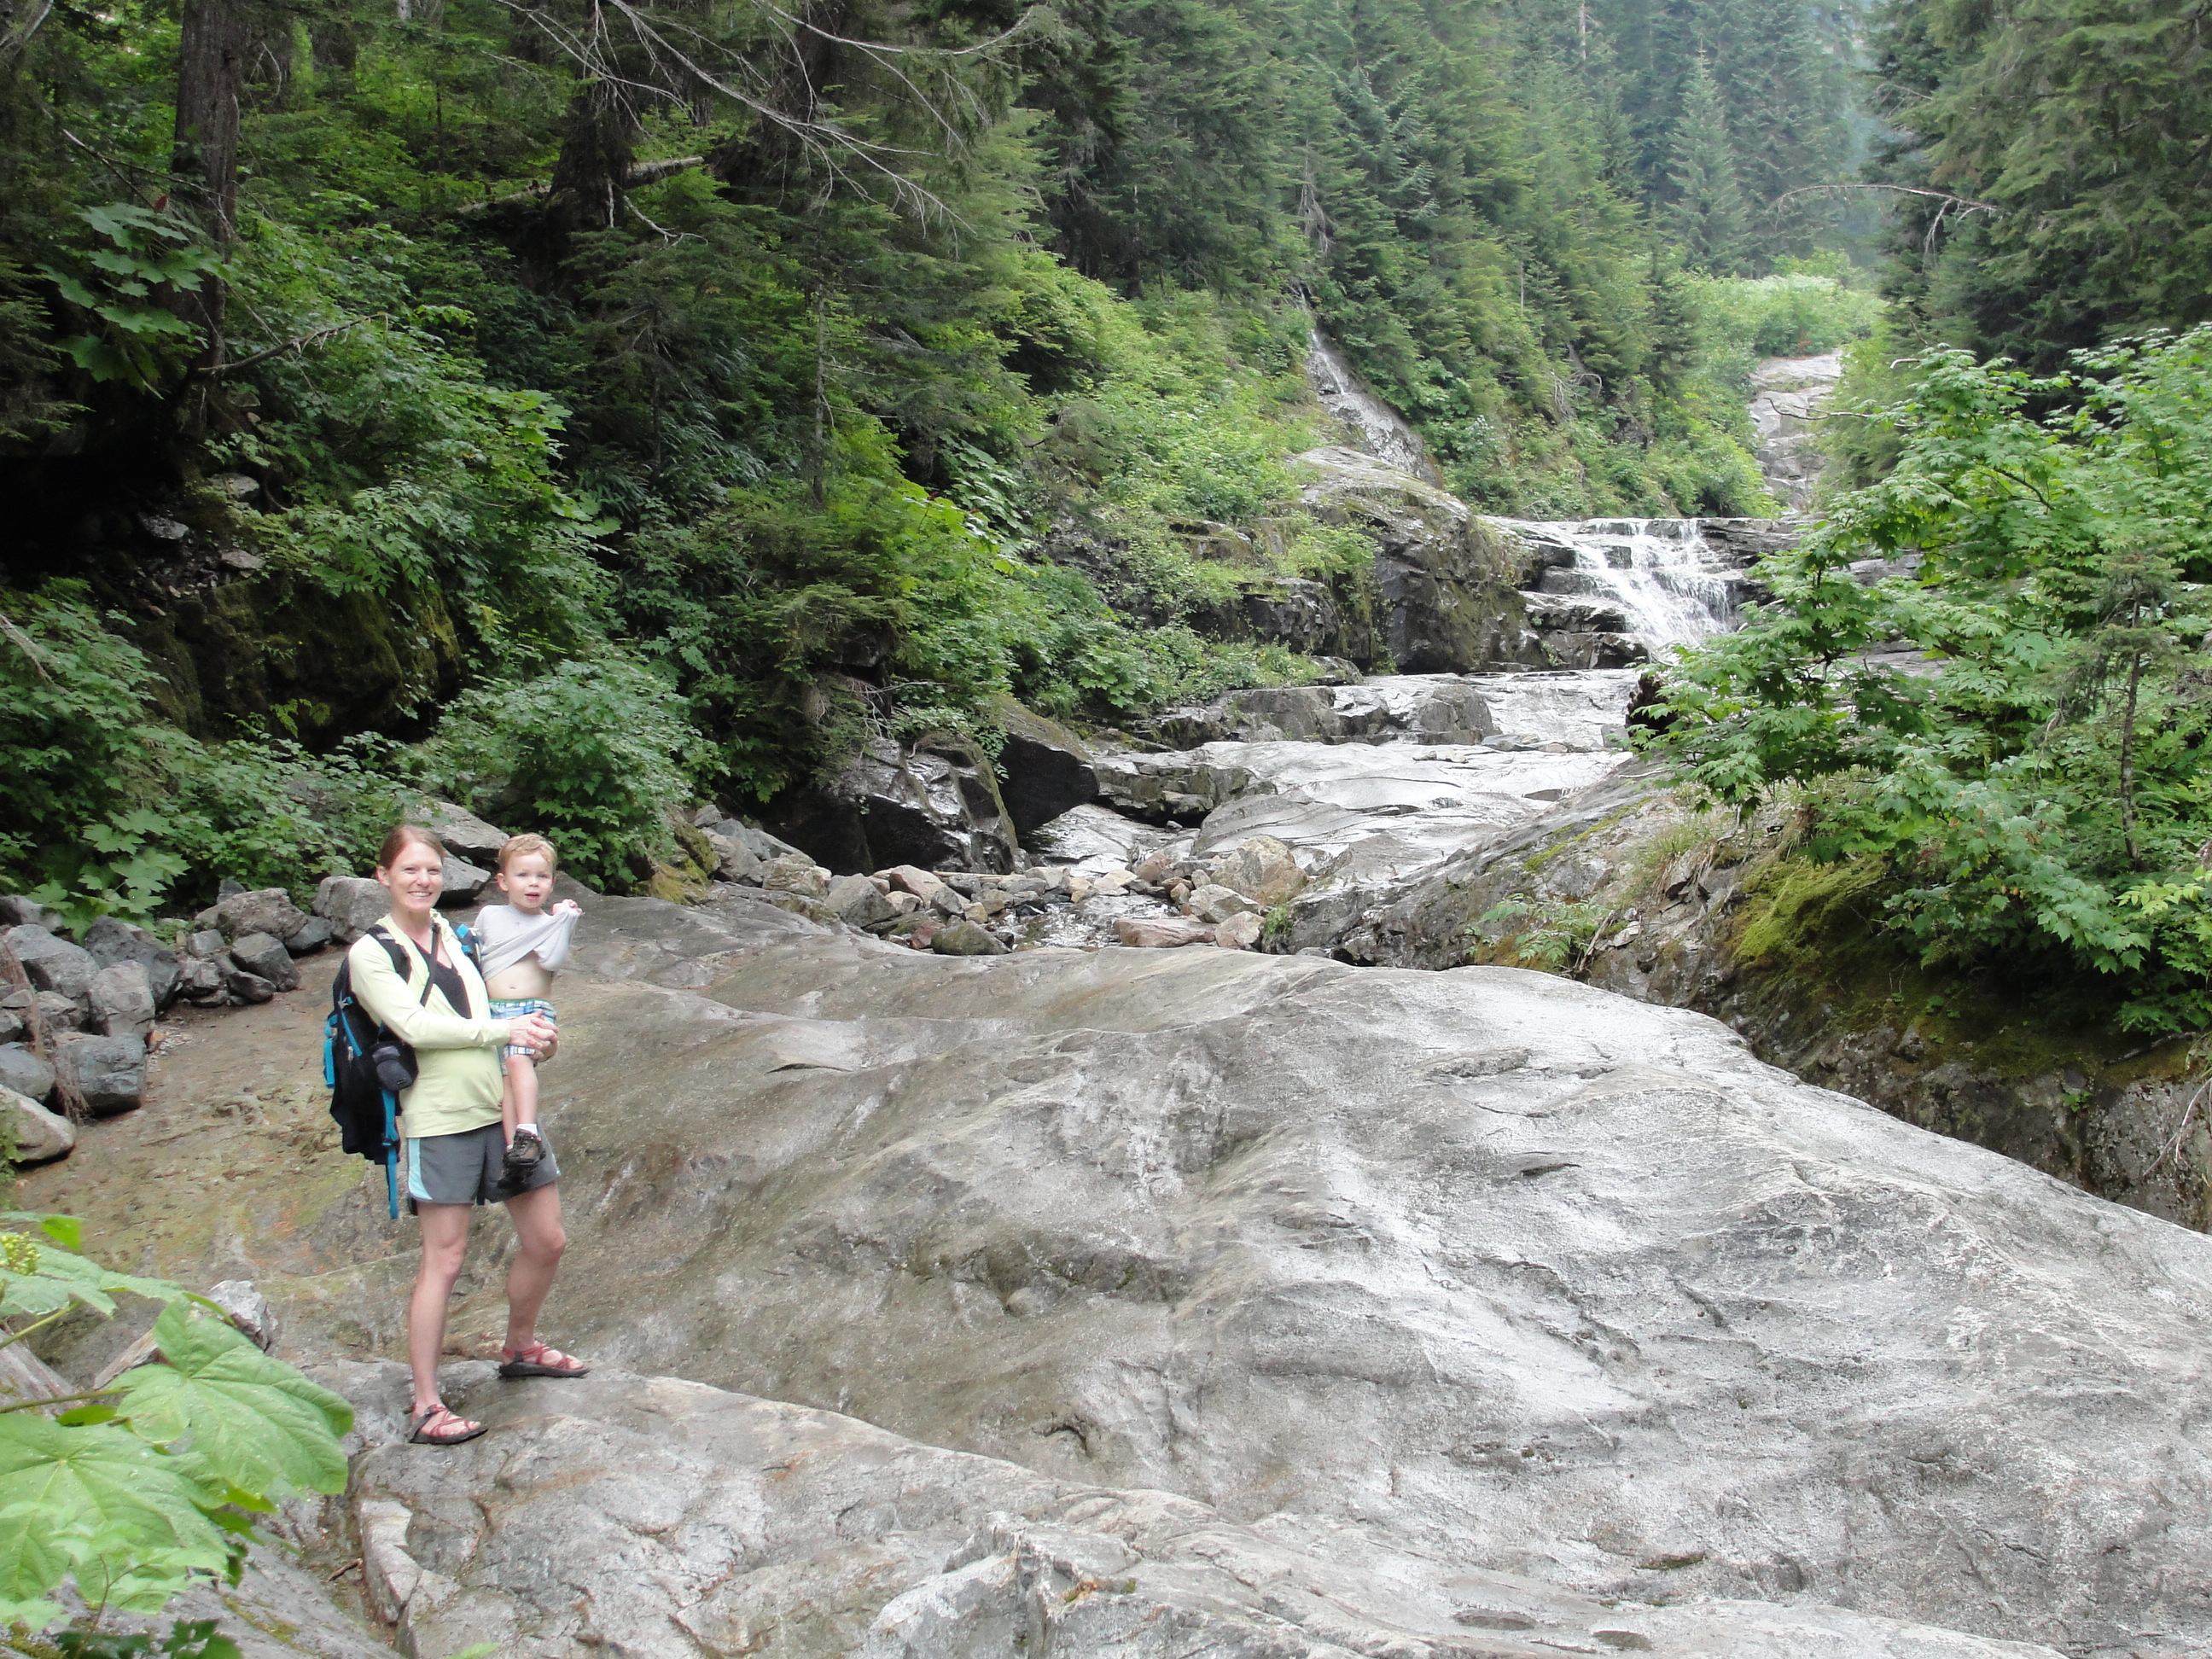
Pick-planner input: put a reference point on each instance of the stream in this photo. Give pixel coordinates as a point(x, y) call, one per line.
point(1373, 784)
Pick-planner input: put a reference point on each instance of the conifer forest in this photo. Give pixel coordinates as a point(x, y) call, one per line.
point(582, 408)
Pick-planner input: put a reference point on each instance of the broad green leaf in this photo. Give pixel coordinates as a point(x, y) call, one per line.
point(61, 1277)
point(66, 1230)
point(99, 1503)
point(252, 1421)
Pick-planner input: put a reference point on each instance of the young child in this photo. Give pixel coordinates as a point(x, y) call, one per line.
point(521, 943)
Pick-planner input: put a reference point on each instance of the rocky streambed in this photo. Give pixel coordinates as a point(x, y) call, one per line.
point(1183, 1301)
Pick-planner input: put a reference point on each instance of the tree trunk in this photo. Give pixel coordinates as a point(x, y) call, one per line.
point(210, 80)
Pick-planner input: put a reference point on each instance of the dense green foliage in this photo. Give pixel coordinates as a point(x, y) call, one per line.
point(2068, 134)
point(2015, 735)
point(151, 1484)
point(573, 409)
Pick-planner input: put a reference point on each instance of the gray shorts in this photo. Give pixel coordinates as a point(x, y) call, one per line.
point(464, 1168)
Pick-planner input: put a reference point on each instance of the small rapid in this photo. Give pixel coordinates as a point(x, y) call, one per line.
point(1672, 585)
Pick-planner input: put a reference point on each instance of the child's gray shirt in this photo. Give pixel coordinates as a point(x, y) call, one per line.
point(505, 935)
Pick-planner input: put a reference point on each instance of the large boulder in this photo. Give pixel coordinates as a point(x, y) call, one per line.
point(650, 1515)
point(1445, 578)
point(111, 941)
point(24, 1071)
point(264, 910)
point(263, 956)
point(1048, 768)
point(352, 905)
point(1481, 1268)
point(464, 882)
point(53, 963)
point(465, 834)
point(37, 1135)
point(122, 1000)
point(936, 804)
point(109, 1073)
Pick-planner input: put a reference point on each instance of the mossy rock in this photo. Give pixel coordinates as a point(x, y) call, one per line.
point(279, 653)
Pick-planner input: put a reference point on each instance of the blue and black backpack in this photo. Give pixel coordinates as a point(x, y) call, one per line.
point(367, 1067)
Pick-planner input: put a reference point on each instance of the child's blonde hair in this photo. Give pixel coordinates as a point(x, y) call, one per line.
point(521, 846)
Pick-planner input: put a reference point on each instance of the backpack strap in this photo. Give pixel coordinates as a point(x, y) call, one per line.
point(401, 956)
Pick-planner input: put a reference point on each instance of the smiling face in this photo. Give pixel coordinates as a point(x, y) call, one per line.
point(414, 878)
point(527, 881)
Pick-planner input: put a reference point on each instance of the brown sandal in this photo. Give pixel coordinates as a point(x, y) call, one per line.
point(455, 1430)
point(539, 1360)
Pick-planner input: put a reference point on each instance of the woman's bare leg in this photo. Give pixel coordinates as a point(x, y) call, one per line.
point(445, 1241)
point(539, 1242)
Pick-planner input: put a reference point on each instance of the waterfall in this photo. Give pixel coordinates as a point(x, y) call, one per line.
point(1382, 432)
point(1671, 586)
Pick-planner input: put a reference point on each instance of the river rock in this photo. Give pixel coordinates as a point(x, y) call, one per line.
point(966, 938)
point(858, 902)
point(636, 1507)
point(1419, 708)
point(266, 957)
point(1240, 931)
point(795, 872)
point(1048, 768)
point(122, 1000)
point(352, 905)
point(310, 939)
point(23, 1071)
point(40, 1136)
point(464, 883)
point(201, 980)
point(53, 963)
point(1160, 932)
point(111, 941)
point(733, 859)
point(936, 804)
point(244, 1305)
point(109, 1072)
point(18, 910)
point(264, 910)
point(1213, 903)
point(1444, 577)
point(1259, 867)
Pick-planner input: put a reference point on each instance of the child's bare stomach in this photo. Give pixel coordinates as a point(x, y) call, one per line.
point(523, 982)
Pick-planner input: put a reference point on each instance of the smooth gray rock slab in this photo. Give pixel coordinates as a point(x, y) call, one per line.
point(646, 1516)
point(109, 1072)
point(1495, 1266)
point(22, 1070)
point(40, 1136)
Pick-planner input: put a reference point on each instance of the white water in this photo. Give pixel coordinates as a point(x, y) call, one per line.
point(1383, 432)
point(1669, 583)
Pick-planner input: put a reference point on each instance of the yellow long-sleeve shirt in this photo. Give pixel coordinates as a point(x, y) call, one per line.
point(456, 1066)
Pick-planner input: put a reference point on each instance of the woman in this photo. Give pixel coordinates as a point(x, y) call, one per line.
point(454, 1147)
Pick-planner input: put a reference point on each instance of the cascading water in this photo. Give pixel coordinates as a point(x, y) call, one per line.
point(1671, 584)
point(1383, 432)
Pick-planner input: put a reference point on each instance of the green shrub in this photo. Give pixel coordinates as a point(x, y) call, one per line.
point(591, 753)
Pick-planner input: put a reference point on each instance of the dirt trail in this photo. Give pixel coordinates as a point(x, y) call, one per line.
point(231, 1169)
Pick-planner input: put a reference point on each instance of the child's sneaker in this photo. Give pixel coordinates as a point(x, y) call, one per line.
point(524, 1154)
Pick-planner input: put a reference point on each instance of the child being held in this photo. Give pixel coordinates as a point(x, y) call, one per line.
point(520, 944)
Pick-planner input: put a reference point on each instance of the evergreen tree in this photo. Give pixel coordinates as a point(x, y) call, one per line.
point(1706, 211)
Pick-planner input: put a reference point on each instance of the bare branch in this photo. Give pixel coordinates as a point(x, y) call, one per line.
point(1964, 203)
point(298, 343)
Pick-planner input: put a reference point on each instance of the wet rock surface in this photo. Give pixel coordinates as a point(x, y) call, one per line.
point(1787, 396)
point(1483, 1268)
point(643, 1515)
